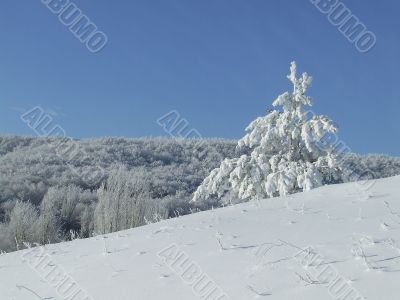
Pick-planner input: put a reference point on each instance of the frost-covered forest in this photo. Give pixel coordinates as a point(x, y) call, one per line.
point(45, 199)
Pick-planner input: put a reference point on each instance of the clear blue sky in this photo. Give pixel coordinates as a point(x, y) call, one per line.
point(220, 63)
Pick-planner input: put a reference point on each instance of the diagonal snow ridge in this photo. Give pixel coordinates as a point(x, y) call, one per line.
point(334, 242)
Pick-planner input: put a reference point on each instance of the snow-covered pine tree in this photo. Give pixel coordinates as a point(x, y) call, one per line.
point(287, 154)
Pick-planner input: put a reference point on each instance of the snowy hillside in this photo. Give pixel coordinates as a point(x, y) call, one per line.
point(167, 170)
point(350, 237)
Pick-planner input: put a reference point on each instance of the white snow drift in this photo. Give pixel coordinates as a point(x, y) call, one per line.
point(334, 242)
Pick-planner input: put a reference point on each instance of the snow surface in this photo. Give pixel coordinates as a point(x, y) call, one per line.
point(249, 251)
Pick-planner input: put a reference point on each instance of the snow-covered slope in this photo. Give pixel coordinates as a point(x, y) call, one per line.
point(350, 237)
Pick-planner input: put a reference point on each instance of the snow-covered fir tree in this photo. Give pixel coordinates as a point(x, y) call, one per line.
point(289, 152)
